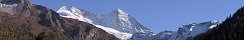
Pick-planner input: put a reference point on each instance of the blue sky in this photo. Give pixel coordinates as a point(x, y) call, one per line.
point(157, 15)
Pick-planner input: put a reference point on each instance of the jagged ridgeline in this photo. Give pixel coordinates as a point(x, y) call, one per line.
point(21, 20)
point(231, 29)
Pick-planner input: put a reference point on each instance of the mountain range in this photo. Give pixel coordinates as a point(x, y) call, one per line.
point(120, 24)
point(22, 20)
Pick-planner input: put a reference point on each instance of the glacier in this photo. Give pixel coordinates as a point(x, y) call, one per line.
point(81, 15)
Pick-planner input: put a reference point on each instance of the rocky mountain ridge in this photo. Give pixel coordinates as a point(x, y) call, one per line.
point(21, 20)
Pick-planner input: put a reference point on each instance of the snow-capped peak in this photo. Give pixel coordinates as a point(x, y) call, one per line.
point(123, 17)
point(185, 32)
point(121, 12)
point(191, 30)
point(93, 18)
point(72, 12)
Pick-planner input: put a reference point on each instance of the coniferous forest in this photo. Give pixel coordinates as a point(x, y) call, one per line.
point(231, 29)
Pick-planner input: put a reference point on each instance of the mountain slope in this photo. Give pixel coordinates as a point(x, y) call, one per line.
point(231, 29)
point(117, 19)
point(117, 23)
point(191, 30)
point(123, 22)
point(21, 20)
point(185, 32)
point(124, 25)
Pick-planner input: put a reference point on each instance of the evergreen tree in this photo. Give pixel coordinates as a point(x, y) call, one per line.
point(231, 29)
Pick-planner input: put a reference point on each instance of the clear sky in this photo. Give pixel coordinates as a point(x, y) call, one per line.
point(157, 15)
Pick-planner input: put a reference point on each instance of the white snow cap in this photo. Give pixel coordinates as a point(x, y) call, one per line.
point(120, 12)
point(72, 12)
point(82, 15)
point(71, 9)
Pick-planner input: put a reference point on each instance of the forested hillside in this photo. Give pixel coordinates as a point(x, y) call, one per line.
point(231, 29)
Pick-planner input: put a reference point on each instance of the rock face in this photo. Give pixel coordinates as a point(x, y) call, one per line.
point(21, 20)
